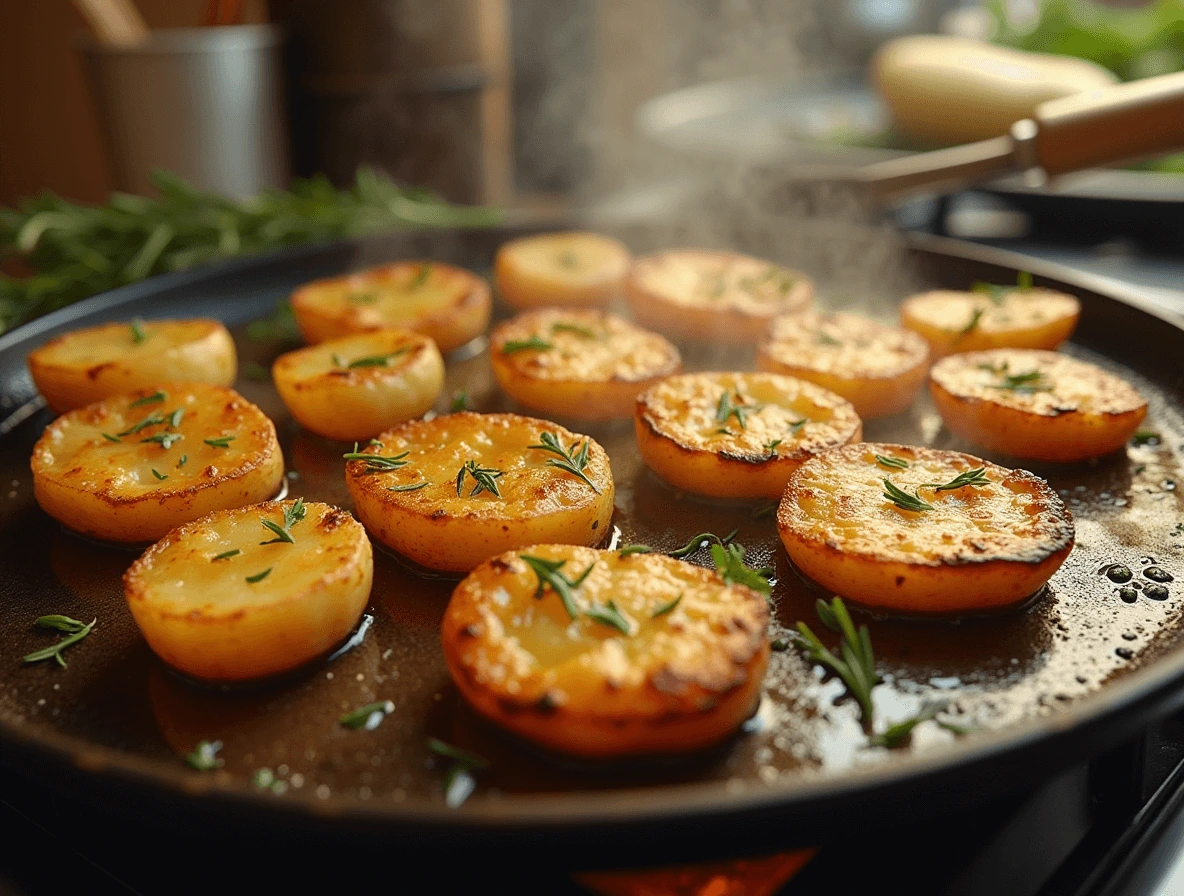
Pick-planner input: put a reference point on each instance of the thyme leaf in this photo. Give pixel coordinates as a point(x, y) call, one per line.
point(293, 513)
point(570, 460)
point(739, 409)
point(460, 401)
point(1025, 383)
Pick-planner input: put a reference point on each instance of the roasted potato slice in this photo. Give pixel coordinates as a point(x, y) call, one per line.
point(738, 435)
point(1036, 405)
point(918, 530)
point(85, 366)
point(451, 492)
point(449, 305)
point(357, 386)
point(584, 364)
point(568, 269)
point(877, 368)
point(135, 466)
point(225, 598)
point(645, 655)
point(713, 296)
point(952, 321)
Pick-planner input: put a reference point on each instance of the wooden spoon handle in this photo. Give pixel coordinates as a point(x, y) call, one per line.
point(116, 23)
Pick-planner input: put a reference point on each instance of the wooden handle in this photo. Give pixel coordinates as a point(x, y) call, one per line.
point(1110, 125)
point(116, 23)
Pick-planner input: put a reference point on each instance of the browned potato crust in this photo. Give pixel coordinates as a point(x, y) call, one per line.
point(1036, 405)
point(953, 321)
point(977, 547)
point(684, 677)
point(592, 365)
point(561, 269)
point(877, 368)
point(447, 304)
point(85, 366)
point(443, 525)
point(738, 435)
point(93, 468)
point(713, 296)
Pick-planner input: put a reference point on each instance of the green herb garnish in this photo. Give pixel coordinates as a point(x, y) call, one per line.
point(151, 420)
point(976, 477)
point(896, 463)
point(220, 441)
point(413, 487)
point(459, 783)
point(729, 562)
point(570, 460)
point(796, 426)
point(166, 439)
point(666, 607)
point(226, 555)
point(377, 463)
point(1025, 383)
point(293, 513)
point(175, 417)
point(974, 319)
point(110, 438)
point(764, 509)
point(548, 574)
point(897, 735)
point(856, 665)
point(204, 757)
point(1146, 437)
point(611, 616)
point(727, 408)
point(697, 542)
point(634, 549)
point(485, 478)
point(460, 401)
point(158, 474)
point(586, 332)
point(77, 631)
point(138, 334)
point(826, 339)
point(534, 343)
point(183, 461)
point(375, 360)
point(903, 499)
point(771, 447)
point(260, 576)
point(421, 277)
point(155, 397)
point(368, 717)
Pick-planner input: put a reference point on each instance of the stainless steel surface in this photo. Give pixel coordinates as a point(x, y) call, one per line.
point(205, 103)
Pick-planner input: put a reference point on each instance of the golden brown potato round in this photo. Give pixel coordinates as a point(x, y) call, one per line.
point(877, 368)
point(584, 364)
point(1036, 405)
point(713, 296)
point(566, 269)
point(650, 655)
point(85, 366)
point(957, 549)
point(355, 387)
point(952, 321)
point(738, 435)
point(449, 305)
point(451, 492)
point(219, 605)
point(135, 466)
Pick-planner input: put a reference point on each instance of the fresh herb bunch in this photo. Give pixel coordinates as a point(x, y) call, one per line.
point(76, 251)
point(855, 664)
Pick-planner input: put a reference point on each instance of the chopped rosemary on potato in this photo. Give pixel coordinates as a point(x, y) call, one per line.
point(634, 549)
point(151, 420)
point(459, 783)
point(220, 441)
point(548, 574)
point(110, 438)
point(1025, 383)
point(975, 477)
point(485, 478)
point(571, 461)
point(204, 757)
point(183, 461)
point(159, 475)
point(166, 439)
point(76, 631)
point(293, 513)
point(697, 542)
point(974, 319)
point(367, 717)
point(897, 463)
point(611, 616)
point(175, 417)
point(138, 334)
point(903, 499)
point(667, 607)
point(377, 463)
point(857, 665)
point(727, 408)
point(375, 360)
point(260, 576)
point(586, 332)
point(226, 555)
point(998, 294)
point(771, 447)
point(158, 396)
point(412, 487)
point(534, 343)
point(729, 562)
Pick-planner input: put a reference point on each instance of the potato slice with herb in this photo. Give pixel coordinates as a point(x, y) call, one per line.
point(738, 435)
point(85, 366)
point(712, 296)
point(447, 304)
point(135, 466)
point(918, 530)
point(561, 269)
point(584, 364)
point(991, 317)
point(1036, 405)
point(600, 655)
point(453, 491)
point(252, 592)
point(357, 386)
point(877, 368)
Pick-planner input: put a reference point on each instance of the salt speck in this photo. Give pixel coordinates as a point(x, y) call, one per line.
point(360, 677)
point(329, 676)
point(297, 780)
point(322, 791)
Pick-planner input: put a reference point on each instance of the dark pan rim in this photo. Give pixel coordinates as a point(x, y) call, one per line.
point(953, 773)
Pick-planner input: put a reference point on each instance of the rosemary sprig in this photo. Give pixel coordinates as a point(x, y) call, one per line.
point(226, 555)
point(903, 499)
point(77, 631)
point(151, 420)
point(697, 542)
point(727, 408)
point(896, 463)
point(159, 475)
point(158, 396)
point(729, 562)
point(375, 360)
point(611, 616)
point(667, 607)
point(570, 460)
point(459, 783)
point(976, 477)
point(367, 717)
point(204, 757)
point(855, 665)
point(586, 332)
point(975, 317)
point(634, 549)
point(1025, 383)
point(549, 575)
point(413, 487)
point(485, 478)
point(534, 343)
point(220, 441)
point(460, 401)
point(138, 334)
point(420, 278)
point(377, 463)
point(260, 576)
point(166, 439)
point(293, 513)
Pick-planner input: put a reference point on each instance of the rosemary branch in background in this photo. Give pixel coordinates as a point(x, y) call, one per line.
point(855, 665)
point(76, 251)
